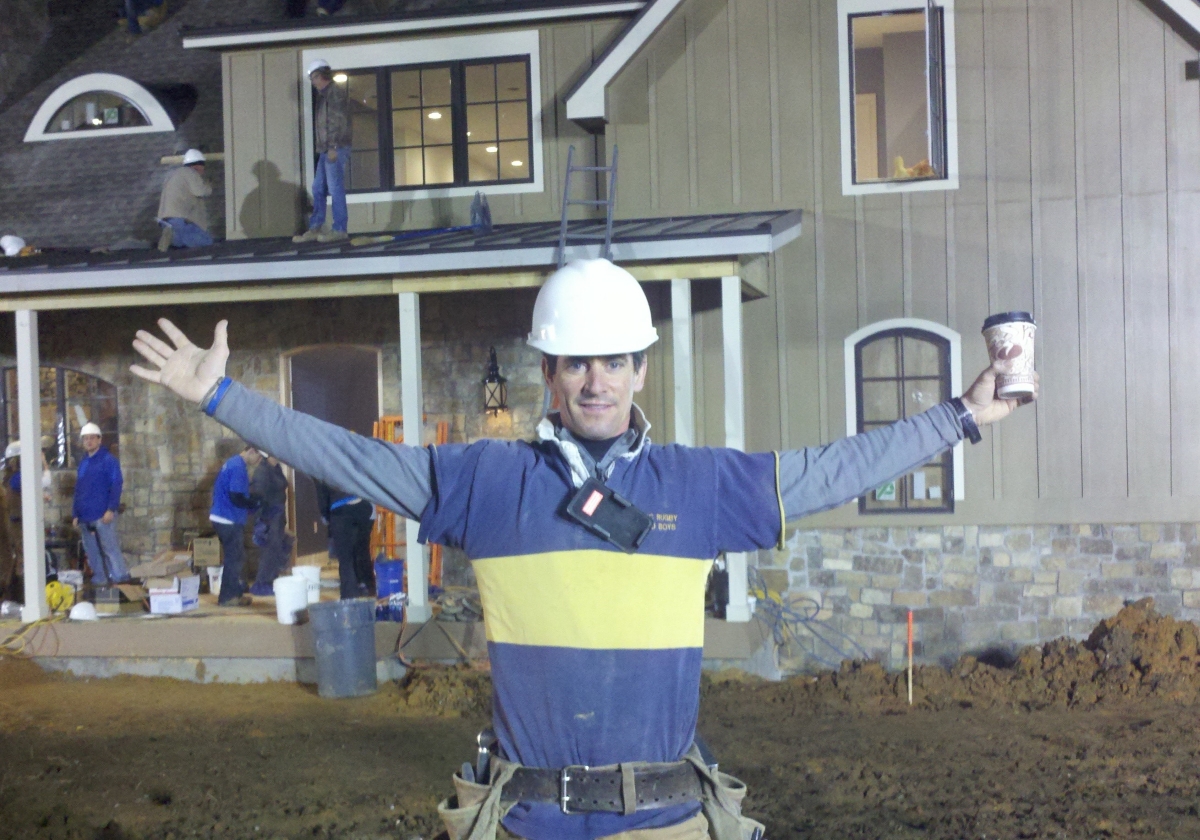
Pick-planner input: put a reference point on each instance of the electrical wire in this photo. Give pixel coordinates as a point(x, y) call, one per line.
point(795, 620)
point(15, 643)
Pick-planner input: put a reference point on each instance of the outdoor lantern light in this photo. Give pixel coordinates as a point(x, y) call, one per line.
point(495, 388)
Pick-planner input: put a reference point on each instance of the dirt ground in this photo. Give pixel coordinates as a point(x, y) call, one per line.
point(1074, 740)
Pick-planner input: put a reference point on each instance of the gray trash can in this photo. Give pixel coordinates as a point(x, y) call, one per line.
point(344, 636)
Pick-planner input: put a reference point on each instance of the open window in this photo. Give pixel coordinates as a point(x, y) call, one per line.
point(897, 87)
point(460, 114)
point(69, 399)
point(894, 370)
point(98, 104)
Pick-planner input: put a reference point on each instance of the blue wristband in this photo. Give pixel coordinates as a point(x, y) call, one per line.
point(222, 387)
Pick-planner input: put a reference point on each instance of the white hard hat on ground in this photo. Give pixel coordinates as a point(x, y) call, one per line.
point(13, 450)
point(317, 64)
point(12, 245)
point(591, 308)
point(83, 611)
point(90, 429)
point(193, 156)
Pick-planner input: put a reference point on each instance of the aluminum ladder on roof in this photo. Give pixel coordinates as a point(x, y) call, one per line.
point(608, 203)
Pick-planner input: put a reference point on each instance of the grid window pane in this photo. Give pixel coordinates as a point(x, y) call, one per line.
point(922, 358)
point(510, 81)
point(484, 164)
point(435, 87)
point(439, 165)
point(437, 126)
point(881, 402)
point(406, 128)
point(406, 88)
point(921, 395)
point(364, 131)
point(481, 123)
point(879, 358)
point(514, 160)
point(481, 82)
point(514, 120)
point(407, 168)
point(364, 169)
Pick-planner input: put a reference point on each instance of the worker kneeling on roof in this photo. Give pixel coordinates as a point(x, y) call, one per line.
point(594, 616)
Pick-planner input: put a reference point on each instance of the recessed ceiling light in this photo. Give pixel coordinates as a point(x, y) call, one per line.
point(517, 163)
point(435, 115)
point(491, 149)
point(341, 78)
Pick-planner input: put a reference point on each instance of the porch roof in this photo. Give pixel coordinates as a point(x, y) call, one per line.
point(440, 260)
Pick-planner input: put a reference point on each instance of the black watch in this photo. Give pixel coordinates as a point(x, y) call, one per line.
point(967, 420)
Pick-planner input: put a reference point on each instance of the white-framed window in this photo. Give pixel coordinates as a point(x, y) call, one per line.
point(98, 105)
point(438, 117)
point(899, 116)
point(896, 369)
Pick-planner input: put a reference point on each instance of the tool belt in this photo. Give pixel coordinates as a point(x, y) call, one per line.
point(621, 790)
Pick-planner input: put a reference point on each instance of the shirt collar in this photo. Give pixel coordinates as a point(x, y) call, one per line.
point(628, 446)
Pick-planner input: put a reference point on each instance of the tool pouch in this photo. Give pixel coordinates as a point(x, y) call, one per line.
point(722, 802)
point(475, 811)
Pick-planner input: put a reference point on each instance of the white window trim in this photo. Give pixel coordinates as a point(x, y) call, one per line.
point(143, 99)
point(955, 378)
point(950, 182)
point(428, 51)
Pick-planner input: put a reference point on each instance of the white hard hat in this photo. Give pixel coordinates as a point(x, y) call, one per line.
point(12, 245)
point(83, 611)
point(317, 64)
point(13, 450)
point(193, 156)
point(591, 308)
point(90, 429)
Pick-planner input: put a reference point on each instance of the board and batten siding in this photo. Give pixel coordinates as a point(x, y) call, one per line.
point(264, 178)
point(1079, 145)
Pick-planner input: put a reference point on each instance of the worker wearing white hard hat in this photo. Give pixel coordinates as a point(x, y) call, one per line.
point(11, 531)
point(182, 214)
point(331, 136)
point(552, 526)
point(94, 510)
point(12, 245)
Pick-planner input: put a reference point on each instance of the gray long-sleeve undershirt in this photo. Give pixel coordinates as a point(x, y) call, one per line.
point(398, 477)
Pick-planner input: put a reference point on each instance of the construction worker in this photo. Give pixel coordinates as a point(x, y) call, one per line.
point(331, 134)
point(595, 637)
point(98, 485)
point(270, 486)
point(11, 492)
point(349, 520)
point(181, 211)
point(231, 506)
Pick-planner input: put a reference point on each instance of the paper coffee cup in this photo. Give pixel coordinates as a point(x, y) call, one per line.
point(1009, 337)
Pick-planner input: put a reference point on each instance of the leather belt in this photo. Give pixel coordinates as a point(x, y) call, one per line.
point(579, 788)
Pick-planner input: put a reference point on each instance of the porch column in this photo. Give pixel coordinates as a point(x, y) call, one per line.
point(738, 608)
point(681, 334)
point(29, 427)
point(412, 405)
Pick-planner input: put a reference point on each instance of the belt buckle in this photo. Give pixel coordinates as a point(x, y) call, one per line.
point(564, 778)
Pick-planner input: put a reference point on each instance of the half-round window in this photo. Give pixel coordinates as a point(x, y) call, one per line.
point(98, 104)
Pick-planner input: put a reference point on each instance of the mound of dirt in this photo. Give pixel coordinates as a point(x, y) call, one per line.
point(447, 692)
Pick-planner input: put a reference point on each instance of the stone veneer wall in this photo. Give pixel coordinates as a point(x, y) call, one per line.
point(976, 589)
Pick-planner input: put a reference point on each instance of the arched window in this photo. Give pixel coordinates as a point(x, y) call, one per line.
point(98, 104)
point(69, 399)
point(897, 369)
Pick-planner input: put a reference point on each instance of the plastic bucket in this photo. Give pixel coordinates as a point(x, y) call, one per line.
point(344, 638)
point(291, 597)
point(312, 574)
point(214, 579)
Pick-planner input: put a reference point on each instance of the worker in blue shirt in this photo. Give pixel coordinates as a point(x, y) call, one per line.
point(231, 506)
point(98, 484)
point(574, 539)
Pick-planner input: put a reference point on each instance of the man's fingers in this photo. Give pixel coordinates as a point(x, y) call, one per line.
point(153, 343)
point(149, 375)
point(221, 335)
point(174, 333)
point(149, 353)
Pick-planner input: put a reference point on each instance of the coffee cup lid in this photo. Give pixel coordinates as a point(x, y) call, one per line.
point(1007, 318)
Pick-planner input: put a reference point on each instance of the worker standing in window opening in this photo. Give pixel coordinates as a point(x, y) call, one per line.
point(595, 652)
point(349, 520)
point(98, 485)
point(13, 519)
point(181, 211)
point(270, 485)
point(231, 506)
point(331, 136)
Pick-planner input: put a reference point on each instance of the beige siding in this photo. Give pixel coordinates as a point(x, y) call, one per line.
point(1079, 200)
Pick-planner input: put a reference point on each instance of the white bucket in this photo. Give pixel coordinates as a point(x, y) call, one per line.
point(291, 597)
point(214, 579)
point(311, 574)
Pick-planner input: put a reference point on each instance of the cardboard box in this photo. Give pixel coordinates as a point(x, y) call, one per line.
point(166, 563)
point(206, 551)
point(174, 594)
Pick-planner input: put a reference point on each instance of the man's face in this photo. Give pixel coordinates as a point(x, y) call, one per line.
point(91, 443)
point(252, 457)
point(594, 395)
point(199, 167)
point(318, 79)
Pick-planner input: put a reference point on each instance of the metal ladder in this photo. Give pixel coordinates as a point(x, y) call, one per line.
point(608, 203)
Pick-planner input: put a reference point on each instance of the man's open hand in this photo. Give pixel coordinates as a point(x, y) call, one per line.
point(185, 369)
point(981, 398)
